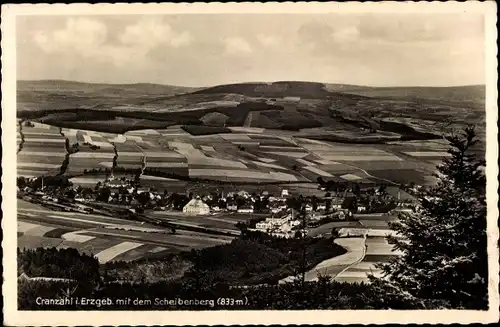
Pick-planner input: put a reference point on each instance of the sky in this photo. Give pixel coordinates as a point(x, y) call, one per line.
point(211, 49)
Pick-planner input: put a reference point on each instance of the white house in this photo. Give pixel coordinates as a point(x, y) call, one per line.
point(276, 209)
point(244, 194)
point(272, 223)
point(284, 193)
point(196, 207)
point(361, 208)
point(245, 209)
point(337, 203)
point(264, 225)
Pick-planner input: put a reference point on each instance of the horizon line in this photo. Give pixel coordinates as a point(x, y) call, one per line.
point(248, 82)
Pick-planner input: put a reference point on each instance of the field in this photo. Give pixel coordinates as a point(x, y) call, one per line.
point(41, 150)
point(244, 156)
point(111, 238)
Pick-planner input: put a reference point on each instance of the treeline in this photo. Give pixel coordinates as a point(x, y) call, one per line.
point(58, 263)
point(204, 130)
point(49, 182)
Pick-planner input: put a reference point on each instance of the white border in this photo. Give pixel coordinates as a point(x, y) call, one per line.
point(68, 318)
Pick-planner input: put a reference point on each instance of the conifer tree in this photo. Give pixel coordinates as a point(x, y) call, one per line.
point(444, 242)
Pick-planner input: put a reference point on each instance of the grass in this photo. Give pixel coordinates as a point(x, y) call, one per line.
point(32, 242)
point(114, 251)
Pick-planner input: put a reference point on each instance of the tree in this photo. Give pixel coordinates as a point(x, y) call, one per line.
point(356, 190)
point(314, 203)
point(383, 188)
point(444, 244)
point(70, 194)
point(21, 182)
point(143, 198)
point(104, 194)
point(87, 192)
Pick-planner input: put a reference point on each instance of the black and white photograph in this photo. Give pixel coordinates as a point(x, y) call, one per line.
point(250, 159)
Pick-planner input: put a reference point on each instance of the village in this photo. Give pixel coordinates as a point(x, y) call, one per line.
point(282, 215)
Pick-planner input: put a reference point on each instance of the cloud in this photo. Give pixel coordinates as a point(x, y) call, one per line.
point(237, 45)
point(268, 40)
point(414, 27)
point(89, 38)
point(149, 33)
point(81, 35)
point(348, 34)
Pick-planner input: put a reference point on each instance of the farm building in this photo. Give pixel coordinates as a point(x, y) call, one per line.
point(196, 207)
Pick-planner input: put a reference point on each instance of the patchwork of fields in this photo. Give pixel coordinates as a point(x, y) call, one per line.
point(246, 155)
point(41, 150)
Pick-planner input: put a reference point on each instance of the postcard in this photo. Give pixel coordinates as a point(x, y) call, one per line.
point(249, 163)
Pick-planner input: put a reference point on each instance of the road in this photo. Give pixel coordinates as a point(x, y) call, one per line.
point(335, 267)
point(363, 252)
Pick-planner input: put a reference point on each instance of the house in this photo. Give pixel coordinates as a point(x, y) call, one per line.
point(337, 203)
point(207, 198)
point(276, 209)
point(264, 225)
point(232, 207)
point(361, 208)
point(245, 209)
point(196, 207)
point(284, 193)
point(244, 194)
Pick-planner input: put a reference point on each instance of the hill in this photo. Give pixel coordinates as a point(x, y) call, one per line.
point(345, 113)
point(41, 94)
point(109, 89)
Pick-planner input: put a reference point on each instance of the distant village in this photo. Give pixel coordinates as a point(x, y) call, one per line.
point(283, 215)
